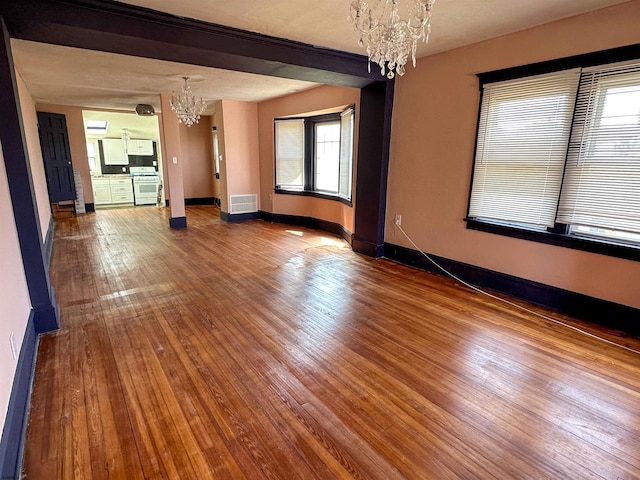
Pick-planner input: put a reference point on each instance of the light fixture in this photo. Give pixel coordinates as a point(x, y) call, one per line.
point(389, 38)
point(124, 135)
point(186, 105)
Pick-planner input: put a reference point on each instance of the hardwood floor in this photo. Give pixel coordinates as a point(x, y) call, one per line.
point(253, 350)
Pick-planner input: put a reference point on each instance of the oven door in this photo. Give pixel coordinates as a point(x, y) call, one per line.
point(145, 192)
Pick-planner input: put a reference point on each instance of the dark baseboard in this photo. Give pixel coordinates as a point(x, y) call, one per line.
point(367, 248)
point(595, 310)
point(238, 217)
point(89, 207)
point(167, 202)
point(48, 241)
point(201, 201)
point(309, 222)
point(178, 222)
point(15, 425)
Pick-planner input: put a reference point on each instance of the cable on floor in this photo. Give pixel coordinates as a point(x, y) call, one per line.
point(479, 290)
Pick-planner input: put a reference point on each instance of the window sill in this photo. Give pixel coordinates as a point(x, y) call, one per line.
point(307, 193)
point(611, 249)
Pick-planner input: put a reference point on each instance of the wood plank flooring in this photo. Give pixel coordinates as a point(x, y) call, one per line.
point(259, 351)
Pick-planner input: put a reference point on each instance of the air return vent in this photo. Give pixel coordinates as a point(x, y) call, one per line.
point(243, 203)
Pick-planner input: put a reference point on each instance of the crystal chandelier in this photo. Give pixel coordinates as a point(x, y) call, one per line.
point(388, 38)
point(186, 105)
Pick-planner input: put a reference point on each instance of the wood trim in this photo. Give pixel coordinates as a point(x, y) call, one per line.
point(309, 222)
point(374, 134)
point(15, 425)
point(178, 222)
point(602, 57)
point(201, 201)
point(592, 245)
point(238, 217)
point(25, 211)
point(584, 307)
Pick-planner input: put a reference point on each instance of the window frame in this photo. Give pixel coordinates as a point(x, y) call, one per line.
point(559, 234)
point(309, 158)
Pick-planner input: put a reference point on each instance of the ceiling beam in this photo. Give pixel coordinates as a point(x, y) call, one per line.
point(111, 26)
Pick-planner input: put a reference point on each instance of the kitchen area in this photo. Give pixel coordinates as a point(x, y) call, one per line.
point(124, 159)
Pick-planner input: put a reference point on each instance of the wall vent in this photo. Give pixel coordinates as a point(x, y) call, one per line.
point(243, 203)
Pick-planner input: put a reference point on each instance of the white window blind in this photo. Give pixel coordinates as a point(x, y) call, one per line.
point(346, 152)
point(602, 180)
point(289, 149)
point(522, 141)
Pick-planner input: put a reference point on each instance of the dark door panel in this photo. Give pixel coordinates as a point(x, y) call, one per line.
point(56, 154)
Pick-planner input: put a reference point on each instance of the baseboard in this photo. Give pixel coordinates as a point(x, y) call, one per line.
point(577, 305)
point(89, 207)
point(178, 222)
point(367, 248)
point(48, 241)
point(201, 201)
point(15, 426)
point(308, 222)
point(238, 217)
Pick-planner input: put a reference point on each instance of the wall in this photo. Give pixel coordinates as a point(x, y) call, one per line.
point(38, 176)
point(77, 143)
point(240, 166)
point(314, 100)
point(213, 122)
point(14, 296)
point(432, 148)
point(197, 156)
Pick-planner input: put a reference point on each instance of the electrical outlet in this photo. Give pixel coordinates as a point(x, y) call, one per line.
point(14, 350)
point(398, 219)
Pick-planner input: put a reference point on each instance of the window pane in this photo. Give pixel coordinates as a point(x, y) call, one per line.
point(289, 153)
point(601, 190)
point(327, 156)
point(346, 152)
point(522, 139)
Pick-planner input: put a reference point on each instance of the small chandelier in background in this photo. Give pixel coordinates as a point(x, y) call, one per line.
point(186, 105)
point(388, 38)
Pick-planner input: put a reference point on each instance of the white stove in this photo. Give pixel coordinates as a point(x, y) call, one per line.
point(146, 184)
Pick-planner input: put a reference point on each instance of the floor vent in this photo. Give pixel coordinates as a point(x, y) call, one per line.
point(243, 203)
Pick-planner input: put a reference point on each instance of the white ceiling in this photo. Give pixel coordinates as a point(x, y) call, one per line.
point(69, 76)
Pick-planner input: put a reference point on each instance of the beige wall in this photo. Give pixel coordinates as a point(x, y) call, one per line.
point(241, 152)
point(197, 165)
point(171, 147)
point(38, 176)
point(14, 296)
point(432, 146)
point(77, 143)
point(213, 122)
point(314, 100)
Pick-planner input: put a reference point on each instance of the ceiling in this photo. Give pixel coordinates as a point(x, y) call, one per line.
point(70, 76)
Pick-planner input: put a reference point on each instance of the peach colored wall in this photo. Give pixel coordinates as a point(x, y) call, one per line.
point(314, 100)
point(171, 146)
point(432, 147)
point(38, 176)
point(77, 143)
point(14, 296)
point(197, 165)
point(241, 151)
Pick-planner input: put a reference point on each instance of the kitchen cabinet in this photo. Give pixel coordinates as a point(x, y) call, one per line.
point(140, 147)
point(110, 191)
point(114, 152)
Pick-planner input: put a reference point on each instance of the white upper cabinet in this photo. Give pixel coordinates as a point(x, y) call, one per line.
point(140, 147)
point(114, 152)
